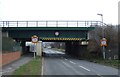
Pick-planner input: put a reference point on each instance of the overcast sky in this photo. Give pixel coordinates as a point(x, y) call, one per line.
point(59, 10)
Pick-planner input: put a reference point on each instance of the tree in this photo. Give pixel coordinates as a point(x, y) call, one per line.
point(111, 34)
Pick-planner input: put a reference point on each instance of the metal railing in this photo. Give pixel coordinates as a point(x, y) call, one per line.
point(50, 23)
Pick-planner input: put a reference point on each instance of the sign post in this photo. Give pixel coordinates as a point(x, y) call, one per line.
point(34, 41)
point(103, 44)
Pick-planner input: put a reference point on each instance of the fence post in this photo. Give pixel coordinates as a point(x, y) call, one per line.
point(26, 23)
point(36, 23)
point(77, 23)
point(56, 23)
point(67, 23)
point(17, 23)
point(8, 23)
point(46, 23)
point(3, 23)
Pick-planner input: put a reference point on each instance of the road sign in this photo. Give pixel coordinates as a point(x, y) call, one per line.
point(103, 42)
point(56, 33)
point(34, 39)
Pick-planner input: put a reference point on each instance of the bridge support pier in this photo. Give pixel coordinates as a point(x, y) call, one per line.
point(39, 48)
point(68, 47)
point(74, 49)
point(23, 47)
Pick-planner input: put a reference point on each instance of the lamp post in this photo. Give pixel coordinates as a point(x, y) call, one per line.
point(101, 17)
point(103, 37)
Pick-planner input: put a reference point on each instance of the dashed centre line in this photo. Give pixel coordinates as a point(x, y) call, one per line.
point(72, 62)
point(80, 67)
point(84, 68)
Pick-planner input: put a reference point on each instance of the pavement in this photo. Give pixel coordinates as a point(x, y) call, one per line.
point(9, 68)
point(66, 65)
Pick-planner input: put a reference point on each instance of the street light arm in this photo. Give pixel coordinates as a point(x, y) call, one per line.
point(101, 17)
point(100, 14)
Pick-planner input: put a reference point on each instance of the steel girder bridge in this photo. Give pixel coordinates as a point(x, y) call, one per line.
point(70, 32)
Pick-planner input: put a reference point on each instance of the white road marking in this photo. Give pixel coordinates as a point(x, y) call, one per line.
point(66, 64)
point(99, 75)
point(72, 68)
point(84, 68)
point(72, 62)
point(42, 66)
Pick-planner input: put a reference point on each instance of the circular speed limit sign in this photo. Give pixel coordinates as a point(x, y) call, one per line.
point(34, 39)
point(103, 42)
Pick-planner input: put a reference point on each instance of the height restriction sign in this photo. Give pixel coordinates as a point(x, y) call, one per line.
point(103, 42)
point(34, 39)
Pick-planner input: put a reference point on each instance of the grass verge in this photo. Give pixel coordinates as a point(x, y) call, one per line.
point(112, 63)
point(31, 68)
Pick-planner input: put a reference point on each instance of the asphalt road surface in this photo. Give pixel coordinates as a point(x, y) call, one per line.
point(57, 63)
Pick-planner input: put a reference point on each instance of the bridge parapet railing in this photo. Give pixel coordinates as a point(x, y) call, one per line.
point(50, 23)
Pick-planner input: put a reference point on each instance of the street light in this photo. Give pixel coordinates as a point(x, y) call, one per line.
point(101, 18)
point(102, 24)
point(103, 37)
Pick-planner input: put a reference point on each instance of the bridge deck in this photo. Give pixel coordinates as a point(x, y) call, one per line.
point(47, 28)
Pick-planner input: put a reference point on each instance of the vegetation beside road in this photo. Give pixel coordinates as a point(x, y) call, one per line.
point(112, 63)
point(31, 68)
point(10, 45)
point(111, 34)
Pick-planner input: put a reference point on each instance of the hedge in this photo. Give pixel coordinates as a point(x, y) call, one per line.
point(9, 45)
